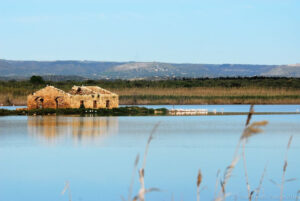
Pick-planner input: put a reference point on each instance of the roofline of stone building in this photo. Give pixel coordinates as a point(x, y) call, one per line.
point(60, 90)
point(86, 87)
point(107, 92)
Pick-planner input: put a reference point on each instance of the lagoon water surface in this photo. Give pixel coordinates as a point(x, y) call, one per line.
point(38, 154)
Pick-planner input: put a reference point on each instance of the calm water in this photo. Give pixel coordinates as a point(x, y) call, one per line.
point(96, 155)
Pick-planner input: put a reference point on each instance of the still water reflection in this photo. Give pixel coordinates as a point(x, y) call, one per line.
point(53, 128)
point(96, 155)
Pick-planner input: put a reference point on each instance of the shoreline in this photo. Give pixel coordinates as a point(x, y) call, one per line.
point(128, 111)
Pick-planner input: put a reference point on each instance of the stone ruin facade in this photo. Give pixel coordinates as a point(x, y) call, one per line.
point(78, 97)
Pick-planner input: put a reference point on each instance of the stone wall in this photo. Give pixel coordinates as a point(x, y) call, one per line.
point(95, 101)
point(48, 97)
point(51, 97)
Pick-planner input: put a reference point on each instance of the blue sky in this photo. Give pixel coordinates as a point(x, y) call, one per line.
point(183, 31)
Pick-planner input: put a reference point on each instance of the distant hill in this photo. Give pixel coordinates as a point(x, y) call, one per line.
point(80, 70)
point(285, 71)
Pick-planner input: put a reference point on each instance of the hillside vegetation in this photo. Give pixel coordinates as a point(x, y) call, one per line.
point(256, 90)
point(64, 70)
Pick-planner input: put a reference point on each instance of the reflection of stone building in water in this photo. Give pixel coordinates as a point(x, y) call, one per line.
point(45, 125)
point(79, 96)
point(94, 126)
point(78, 128)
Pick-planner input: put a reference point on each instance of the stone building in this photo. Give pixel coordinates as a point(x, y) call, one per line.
point(79, 96)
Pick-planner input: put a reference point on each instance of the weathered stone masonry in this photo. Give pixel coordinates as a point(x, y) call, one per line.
point(79, 96)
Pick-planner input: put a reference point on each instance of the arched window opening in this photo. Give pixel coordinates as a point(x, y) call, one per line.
point(39, 102)
point(56, 102)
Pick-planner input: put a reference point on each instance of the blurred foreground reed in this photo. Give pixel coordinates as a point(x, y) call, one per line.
point(251, 129)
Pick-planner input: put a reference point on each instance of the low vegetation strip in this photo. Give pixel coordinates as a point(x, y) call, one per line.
point(122, 111)
point(255, 90)
point(154, 97)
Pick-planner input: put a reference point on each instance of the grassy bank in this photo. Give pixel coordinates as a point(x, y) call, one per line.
point(122, 111)
point(186, 91)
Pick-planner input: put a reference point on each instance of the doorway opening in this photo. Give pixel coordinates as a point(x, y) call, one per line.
point(107, 104)
point(81, 104)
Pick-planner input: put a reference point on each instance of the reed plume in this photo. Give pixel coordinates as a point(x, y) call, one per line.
point(284, 168)
point(199, 180)
point(253, 129)
point(248, 132)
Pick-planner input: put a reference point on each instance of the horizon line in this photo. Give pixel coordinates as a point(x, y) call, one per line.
point(131, 61)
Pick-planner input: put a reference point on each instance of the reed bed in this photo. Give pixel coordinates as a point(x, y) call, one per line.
point(212, 95)
point(192, 100)
point(207, 91)
point(193, 95)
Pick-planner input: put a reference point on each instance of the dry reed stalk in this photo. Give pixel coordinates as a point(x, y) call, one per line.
point(249, 131)
point(228, 173)
point(260, 183)
point(229, 169)
point(67, 188)
point(284, 168)
point(251, 111)
point(246, 172)
point(217, 182)
point(133, 176)
point(199, 180)
point(297, 195)
point(143, 190)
